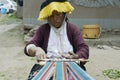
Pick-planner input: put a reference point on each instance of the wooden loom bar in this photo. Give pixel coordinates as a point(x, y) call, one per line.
point(64, 60)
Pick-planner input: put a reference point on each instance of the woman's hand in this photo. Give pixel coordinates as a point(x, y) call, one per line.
point(40, 53)
point(70, 55)
point(37, 52)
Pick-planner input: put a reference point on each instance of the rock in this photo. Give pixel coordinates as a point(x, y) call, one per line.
point(116, 48)
point(27, 38)
point(116, 31)
point(32, 31)
point(29, 34)
point(103, 47)
point(28, 26)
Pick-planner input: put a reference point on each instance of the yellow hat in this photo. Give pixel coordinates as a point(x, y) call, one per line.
point(49, 6)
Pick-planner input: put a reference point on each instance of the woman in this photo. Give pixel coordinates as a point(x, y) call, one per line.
point(57, 38)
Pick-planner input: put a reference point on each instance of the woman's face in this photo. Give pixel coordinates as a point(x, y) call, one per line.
point(56, 19)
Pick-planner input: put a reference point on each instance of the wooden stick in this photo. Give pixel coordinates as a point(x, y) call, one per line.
point(64, 60)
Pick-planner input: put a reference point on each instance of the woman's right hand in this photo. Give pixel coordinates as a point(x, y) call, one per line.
point(37, 52)
point(40, 54)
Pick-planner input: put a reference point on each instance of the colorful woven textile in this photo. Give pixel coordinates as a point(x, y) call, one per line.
point(62, 71)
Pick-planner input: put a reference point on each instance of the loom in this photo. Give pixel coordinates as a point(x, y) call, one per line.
point(59, 69)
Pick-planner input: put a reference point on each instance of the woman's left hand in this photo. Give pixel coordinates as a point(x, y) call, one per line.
point(71, 55)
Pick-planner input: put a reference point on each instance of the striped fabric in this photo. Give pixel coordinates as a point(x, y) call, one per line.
point(46, 72)
point(62, 71)
point(77, 72)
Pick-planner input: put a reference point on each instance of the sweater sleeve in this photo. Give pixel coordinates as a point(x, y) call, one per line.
point(36, 40)
point(79, 45)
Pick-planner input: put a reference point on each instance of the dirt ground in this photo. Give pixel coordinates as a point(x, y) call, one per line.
point(15, 65)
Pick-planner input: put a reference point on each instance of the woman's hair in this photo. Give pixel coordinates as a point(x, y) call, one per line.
point(66, 19)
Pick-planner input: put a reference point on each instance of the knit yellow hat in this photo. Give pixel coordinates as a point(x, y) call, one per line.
point(49, 6)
